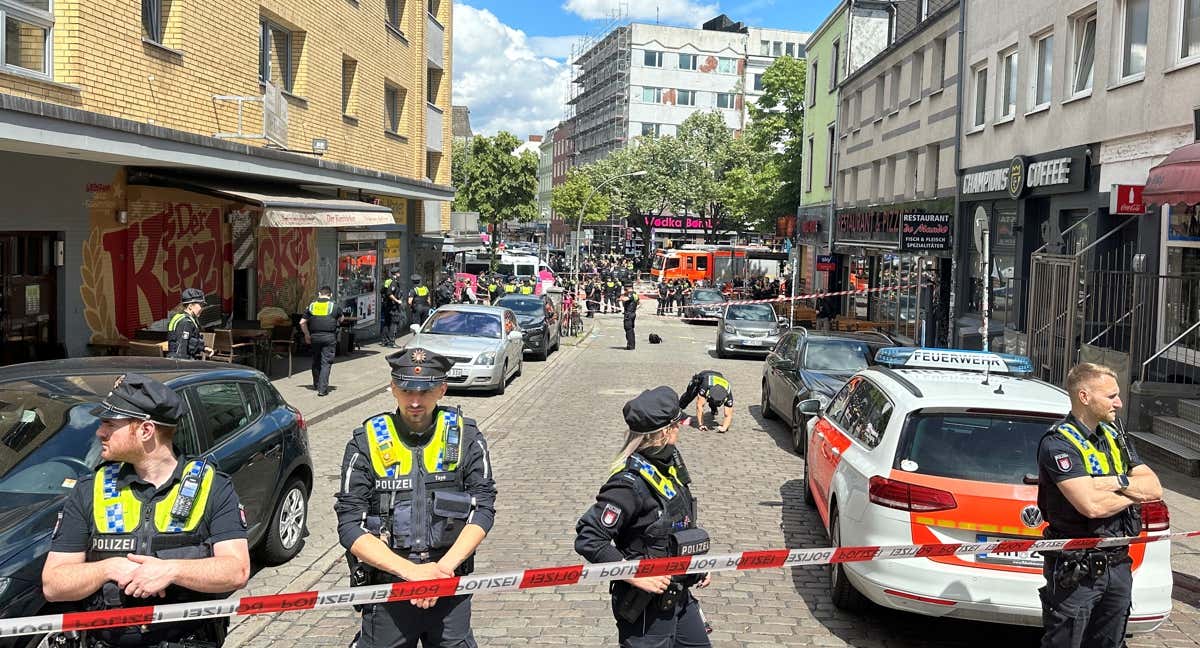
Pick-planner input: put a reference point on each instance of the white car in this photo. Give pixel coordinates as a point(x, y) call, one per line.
point(933, 449)
point(484, 342)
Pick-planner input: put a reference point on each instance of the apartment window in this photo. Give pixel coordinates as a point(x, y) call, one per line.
point(789, 49)
point(154, 19)
point(687, 61)
point(652, 59)
point(1083, 52)
point(26, 39)
point(917, 79)
point(889, 179)
point(830, 132)
point(434, 7)
point(937, 73)
point(1043, 72)
point(811, 83)
point(880, 90)
point(764, 48)
point(275, 54)
point(758, 82)
point(726, 66)
point(651, 129)
point(1190, 24)
point(1008, 83)
point(393, 99)
point(777, 48)
point(933, 159)
point(652, 95)
point(835, 67)
point(685, 98)
point(911, 173)
point(395, 11)
point(808, 162)
point(894, 97)
point(433, 85)
point(349, 91)
point(725, 100)
point(1135, 27)
point(980, 108)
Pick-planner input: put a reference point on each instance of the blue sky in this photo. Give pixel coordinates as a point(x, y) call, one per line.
point(510, 55)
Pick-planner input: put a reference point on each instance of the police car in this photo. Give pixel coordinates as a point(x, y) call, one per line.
point(940, 446)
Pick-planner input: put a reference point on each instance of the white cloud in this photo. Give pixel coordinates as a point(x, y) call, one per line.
point(506, 82)
point(668, 11)
point(555, 47)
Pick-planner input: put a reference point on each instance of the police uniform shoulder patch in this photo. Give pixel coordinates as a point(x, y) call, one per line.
point(610, 515)
point(1063, 460)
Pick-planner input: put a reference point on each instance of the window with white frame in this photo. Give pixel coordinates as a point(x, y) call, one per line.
point(1043, 70)
point(789, 49)
point(685, 98)
point(726, 100)
point(1083, 52)
point(651, 129)
point(1135, 28)
point(652, 95)
point(726, 66)
point(835, 65)
point(688, 61)
point(811, 82)
point(26, 42)
point(764, 48)
point(831, 132)
point(979, 110)
point(758, 82)
point(275, 55)
point(777, 49)
point(808, 162)
point(651, 58)
point(1189, 43)
point(1008, 83)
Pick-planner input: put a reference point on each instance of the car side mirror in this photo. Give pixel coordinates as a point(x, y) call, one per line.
point(415, 328)
point(783, 321)
point(787, 364)
point(516, 336)
point(810, 407)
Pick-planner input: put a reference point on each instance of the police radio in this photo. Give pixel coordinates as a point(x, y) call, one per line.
point(453, 437)
point(187, 492)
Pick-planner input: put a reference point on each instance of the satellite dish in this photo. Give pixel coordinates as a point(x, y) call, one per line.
point(981, 227)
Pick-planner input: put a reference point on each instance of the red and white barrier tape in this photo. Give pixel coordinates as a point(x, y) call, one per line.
point(533, 578)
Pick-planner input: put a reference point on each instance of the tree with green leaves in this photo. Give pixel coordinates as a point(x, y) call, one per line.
point(460, 156)
point(777, 131)
point(568, 198)
point(714, 170)
point(497, 184)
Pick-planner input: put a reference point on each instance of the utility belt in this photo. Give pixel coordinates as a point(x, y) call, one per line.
point(1071, 567)
point(363, 574)
point(633, 601)
point(212, 635)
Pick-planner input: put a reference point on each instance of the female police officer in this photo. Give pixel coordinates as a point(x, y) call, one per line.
point(646, 510)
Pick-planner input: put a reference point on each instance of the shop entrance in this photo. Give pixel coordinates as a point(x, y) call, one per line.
point(28, 298)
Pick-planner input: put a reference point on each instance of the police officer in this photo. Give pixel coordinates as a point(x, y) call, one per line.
point(147, 528)
point(185, 340)
point(493, 288)
point(526, 287)
point(710, 388)
point(664, 295)
point(420, 300)
point(1091, 483)
point(593, 296)
point(510, 286)
point(392, 309)
point(629, 302)
point(611, 289)
point(320, 324)
point(646, 510)
point(422, 524)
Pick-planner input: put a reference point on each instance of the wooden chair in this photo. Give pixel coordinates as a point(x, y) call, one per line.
point(148, 349)
point(224, 350)
point(282, 340)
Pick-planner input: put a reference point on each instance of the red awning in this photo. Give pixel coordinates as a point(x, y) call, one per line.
point(1177, 179)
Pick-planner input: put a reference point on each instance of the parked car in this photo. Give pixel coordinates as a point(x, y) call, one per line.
point(538, 318)
point(706, 303)
point(813, 364)
point(484, 342)
point(48, 442)
point(749, 329)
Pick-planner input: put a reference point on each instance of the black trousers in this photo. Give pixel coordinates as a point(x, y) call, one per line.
point(1094, 613)
point(402, 624)
point(419, 314)
point(681, 627)
point(630, 339)
point(323, 347)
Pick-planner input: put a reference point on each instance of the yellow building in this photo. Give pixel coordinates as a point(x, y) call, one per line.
point(251, 149)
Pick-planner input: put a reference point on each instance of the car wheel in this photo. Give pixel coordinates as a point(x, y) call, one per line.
point(545, 350)
point(721, 349)
point(520, 367)
point(845, 597)
point(765, 406)
point(285, 537)
point(799, 426)
point(809, 500)
point(503, 380)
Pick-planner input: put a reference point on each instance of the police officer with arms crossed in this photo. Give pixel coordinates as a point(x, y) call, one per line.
point(185, 340)
point(1090, 484)
point(147, 525)
point(710, 388)
point(417, 499)
point(320, 325)
point(646, 510)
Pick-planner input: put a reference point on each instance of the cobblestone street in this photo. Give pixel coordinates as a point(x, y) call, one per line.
point(552, 440)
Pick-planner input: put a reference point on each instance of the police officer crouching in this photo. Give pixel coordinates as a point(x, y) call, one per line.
point(185, 340)
point(646, 510)
point(1091, 483)
point(320, 324)
point(147, 525)
point(417, 500)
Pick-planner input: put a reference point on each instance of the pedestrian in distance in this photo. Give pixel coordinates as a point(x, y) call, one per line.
point(629, 301)
point(320, 325)
point(148, 527)
point(1091, 483)
point(593, 297)
point(711, 391)
point(417, 500)
point(420, 300)
point(827, 308)
point(185, 340)
point(646, 510)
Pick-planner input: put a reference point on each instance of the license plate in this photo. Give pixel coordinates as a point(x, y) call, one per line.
point(457, 372)
point(754, 342)
point(1014, 558)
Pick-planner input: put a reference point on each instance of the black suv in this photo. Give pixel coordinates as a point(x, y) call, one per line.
point(538, 317)
point(48, 442)
point(813, 364)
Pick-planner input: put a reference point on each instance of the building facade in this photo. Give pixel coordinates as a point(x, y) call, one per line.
point(545, 177)
point(165, 145)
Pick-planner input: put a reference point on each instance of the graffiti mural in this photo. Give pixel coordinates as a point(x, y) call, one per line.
point(287, 267)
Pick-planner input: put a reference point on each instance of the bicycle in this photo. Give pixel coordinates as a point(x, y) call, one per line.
point(575, 320)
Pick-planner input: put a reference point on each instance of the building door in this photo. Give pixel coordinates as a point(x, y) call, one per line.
point(28, 298)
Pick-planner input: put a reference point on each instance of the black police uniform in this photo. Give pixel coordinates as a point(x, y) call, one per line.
point(1087, 596)
point(185, 340)
point(374, 499)
point(421, 302)
point(663, 297)
point(387, 335)
point(322, 319)
point(630, 305)
point(214, 516)
point(593, 298)
point(646, 510)
point(713, 387)
point(611, 290)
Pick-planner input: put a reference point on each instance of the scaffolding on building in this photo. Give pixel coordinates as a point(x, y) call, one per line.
point(599, 91)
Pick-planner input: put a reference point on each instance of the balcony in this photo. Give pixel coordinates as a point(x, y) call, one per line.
point(435, 38)
point(433, 128)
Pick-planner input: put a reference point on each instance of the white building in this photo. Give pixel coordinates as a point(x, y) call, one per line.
point(763, 46)
point(545, 176)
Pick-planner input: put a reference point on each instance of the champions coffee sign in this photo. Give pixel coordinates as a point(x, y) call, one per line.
point(924, 232)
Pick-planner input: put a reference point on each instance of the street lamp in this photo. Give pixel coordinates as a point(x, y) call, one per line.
point(583, 207)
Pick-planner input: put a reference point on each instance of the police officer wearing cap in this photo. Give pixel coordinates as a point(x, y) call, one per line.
point(712, 390)
point(646, 510)
point(320, 324)
point(147, 528)
point(1091, 483)
point(420, 300)
point(629, 303)
point(185, 340)
point(417, 499)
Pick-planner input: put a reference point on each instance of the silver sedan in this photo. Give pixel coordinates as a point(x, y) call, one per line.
point(750, 329)
point(483, 341)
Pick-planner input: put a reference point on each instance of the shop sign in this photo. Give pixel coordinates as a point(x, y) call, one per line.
point(1126, 200)
point(825, 263)
point(683, 224)
point(1059, 172)
point(868, 226)
point(925, 232)
point(391, 252)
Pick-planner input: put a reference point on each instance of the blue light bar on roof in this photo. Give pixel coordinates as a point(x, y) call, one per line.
point(954, 359)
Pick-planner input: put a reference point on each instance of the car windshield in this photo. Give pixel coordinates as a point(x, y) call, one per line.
point(49, 442)
point(469, 324)
point(992, 448)
point(836, 355)
point(708, 297)
point(524, 306)
point(751, 313)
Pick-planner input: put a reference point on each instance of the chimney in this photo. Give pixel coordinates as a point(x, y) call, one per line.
point(535, 138)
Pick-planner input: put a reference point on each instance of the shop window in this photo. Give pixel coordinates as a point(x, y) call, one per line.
point(356, 281)
point(27, 39)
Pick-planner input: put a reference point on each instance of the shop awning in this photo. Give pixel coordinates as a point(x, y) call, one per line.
point(1176, 179)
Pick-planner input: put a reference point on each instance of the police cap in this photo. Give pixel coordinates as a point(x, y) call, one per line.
point(418, 369)
point(415, 278)
point(652, 410)
point(135, 396)
point(192, 296)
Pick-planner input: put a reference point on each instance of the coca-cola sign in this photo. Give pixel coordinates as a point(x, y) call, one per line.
point(924, 232)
